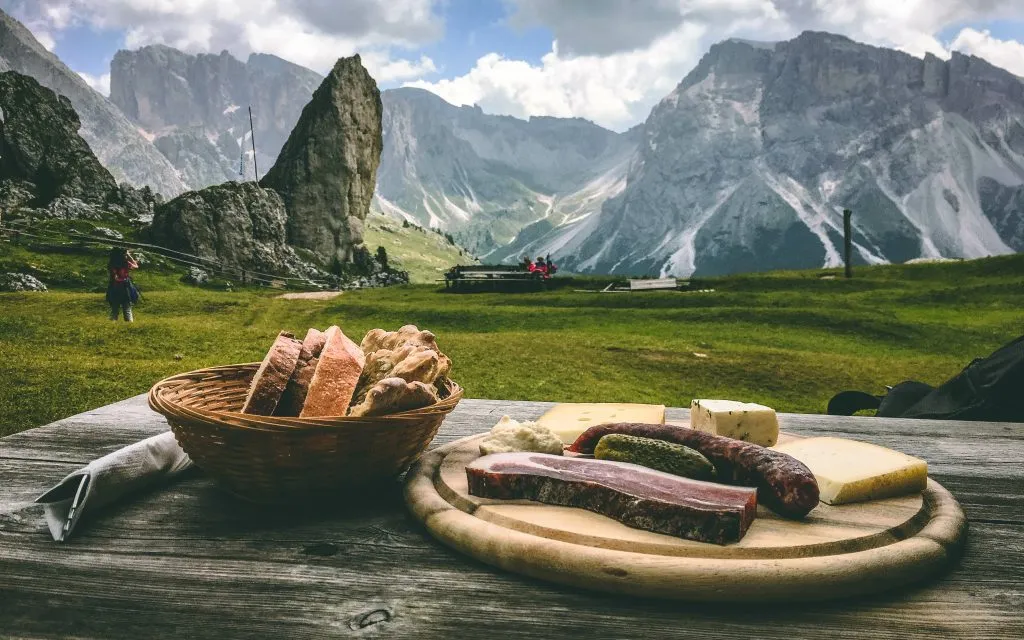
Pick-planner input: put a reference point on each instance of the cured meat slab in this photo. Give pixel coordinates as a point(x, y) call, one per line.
point(835, 552)
point(636, 496)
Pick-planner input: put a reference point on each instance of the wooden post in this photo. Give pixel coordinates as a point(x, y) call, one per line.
point(847, 242)
point(252, 136)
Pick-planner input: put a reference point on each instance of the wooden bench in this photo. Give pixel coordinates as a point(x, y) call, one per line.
point(646, 284)
point(492, 276)
point(653, 284)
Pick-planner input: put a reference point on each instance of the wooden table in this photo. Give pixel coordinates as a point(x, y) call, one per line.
point(188, 561)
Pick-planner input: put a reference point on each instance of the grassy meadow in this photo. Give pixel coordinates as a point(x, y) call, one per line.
point(786, 339)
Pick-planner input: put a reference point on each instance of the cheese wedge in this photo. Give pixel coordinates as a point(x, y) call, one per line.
point(851, 471)
point(569, 420)
point(745, 421)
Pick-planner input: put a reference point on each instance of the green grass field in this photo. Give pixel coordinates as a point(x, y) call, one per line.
point(786, 339)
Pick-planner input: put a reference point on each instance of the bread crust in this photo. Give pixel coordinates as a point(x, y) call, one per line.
point(272, 377)
point(295, 392)
point(394, 395)
point(335, 376)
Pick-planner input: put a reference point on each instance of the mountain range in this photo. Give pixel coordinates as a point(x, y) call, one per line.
point(746, 165)
point(750, 162)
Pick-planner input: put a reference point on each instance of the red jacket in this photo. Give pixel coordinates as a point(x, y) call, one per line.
point(120, 274)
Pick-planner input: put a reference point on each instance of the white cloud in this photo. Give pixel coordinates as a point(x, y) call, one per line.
point(99, 83)
point(613, 90)
point(607, 68)
point(313, 33)
point(44, 38)
point(386, 70)
point(1008, 54)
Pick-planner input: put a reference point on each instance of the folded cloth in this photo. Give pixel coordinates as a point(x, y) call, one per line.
point(108, 479)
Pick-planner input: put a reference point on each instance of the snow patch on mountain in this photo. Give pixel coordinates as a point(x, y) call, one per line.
point(793, 193)
point(683, 260)
point(388, 208)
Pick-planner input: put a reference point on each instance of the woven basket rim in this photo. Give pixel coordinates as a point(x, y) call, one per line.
point(170, 408)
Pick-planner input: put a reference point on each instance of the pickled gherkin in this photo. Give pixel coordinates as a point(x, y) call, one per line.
point(655, 454)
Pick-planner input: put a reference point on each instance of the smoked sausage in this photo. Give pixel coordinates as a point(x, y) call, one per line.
point(784, 484)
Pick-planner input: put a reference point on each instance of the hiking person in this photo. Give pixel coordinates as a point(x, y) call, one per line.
point(528, 264)
point(121, 292)
point(542, 267)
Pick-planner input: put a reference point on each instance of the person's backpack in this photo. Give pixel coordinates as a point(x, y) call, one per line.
point(134, 295)
point(989, 389)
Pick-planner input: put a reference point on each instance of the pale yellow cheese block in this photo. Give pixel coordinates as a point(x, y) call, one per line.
point(568, 420)
point(852, 471)
point(739, 420)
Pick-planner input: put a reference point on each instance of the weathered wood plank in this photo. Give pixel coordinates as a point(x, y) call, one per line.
point(191, 558)
point(22, 481)
point(288, 586)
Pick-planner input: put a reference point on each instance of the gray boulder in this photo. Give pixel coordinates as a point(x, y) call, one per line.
point(196, 276)
point(20, 282)
point(109, 233)
point(237, 224)
point(327, 169)
point(65, 208)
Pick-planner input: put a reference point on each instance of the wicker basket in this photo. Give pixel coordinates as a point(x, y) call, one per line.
point(276, 459)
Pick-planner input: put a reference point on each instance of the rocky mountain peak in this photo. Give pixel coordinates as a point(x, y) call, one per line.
point(200, 103)
point(115, 141)
point(749, 163)
point(327, 169)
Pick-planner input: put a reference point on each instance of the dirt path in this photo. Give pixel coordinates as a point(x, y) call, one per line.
point(310, 295)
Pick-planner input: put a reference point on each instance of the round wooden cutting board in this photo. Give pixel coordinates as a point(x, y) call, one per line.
point(835, 551)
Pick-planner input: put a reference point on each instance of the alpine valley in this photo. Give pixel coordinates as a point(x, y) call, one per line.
point(746, 166)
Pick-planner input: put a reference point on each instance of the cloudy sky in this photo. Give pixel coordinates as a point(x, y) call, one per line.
point(605, 60)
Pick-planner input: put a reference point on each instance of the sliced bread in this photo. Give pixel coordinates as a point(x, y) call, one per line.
point(335, 376)
point(294, 395)
point(272, 377)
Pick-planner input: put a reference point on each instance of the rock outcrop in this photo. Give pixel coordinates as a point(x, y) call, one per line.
point(20, 282)
point(47, 169)
point(118, 144)
point(40, 145)
point(327, 169)
point(237, 224)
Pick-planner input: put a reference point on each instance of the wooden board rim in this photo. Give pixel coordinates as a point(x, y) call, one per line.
point(821, 577)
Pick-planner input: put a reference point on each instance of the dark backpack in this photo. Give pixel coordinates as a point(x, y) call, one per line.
point(989, 389)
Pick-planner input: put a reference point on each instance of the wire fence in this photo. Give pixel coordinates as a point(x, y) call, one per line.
point(18, 230)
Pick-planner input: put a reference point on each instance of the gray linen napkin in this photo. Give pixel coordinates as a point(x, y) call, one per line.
point(108, 479)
